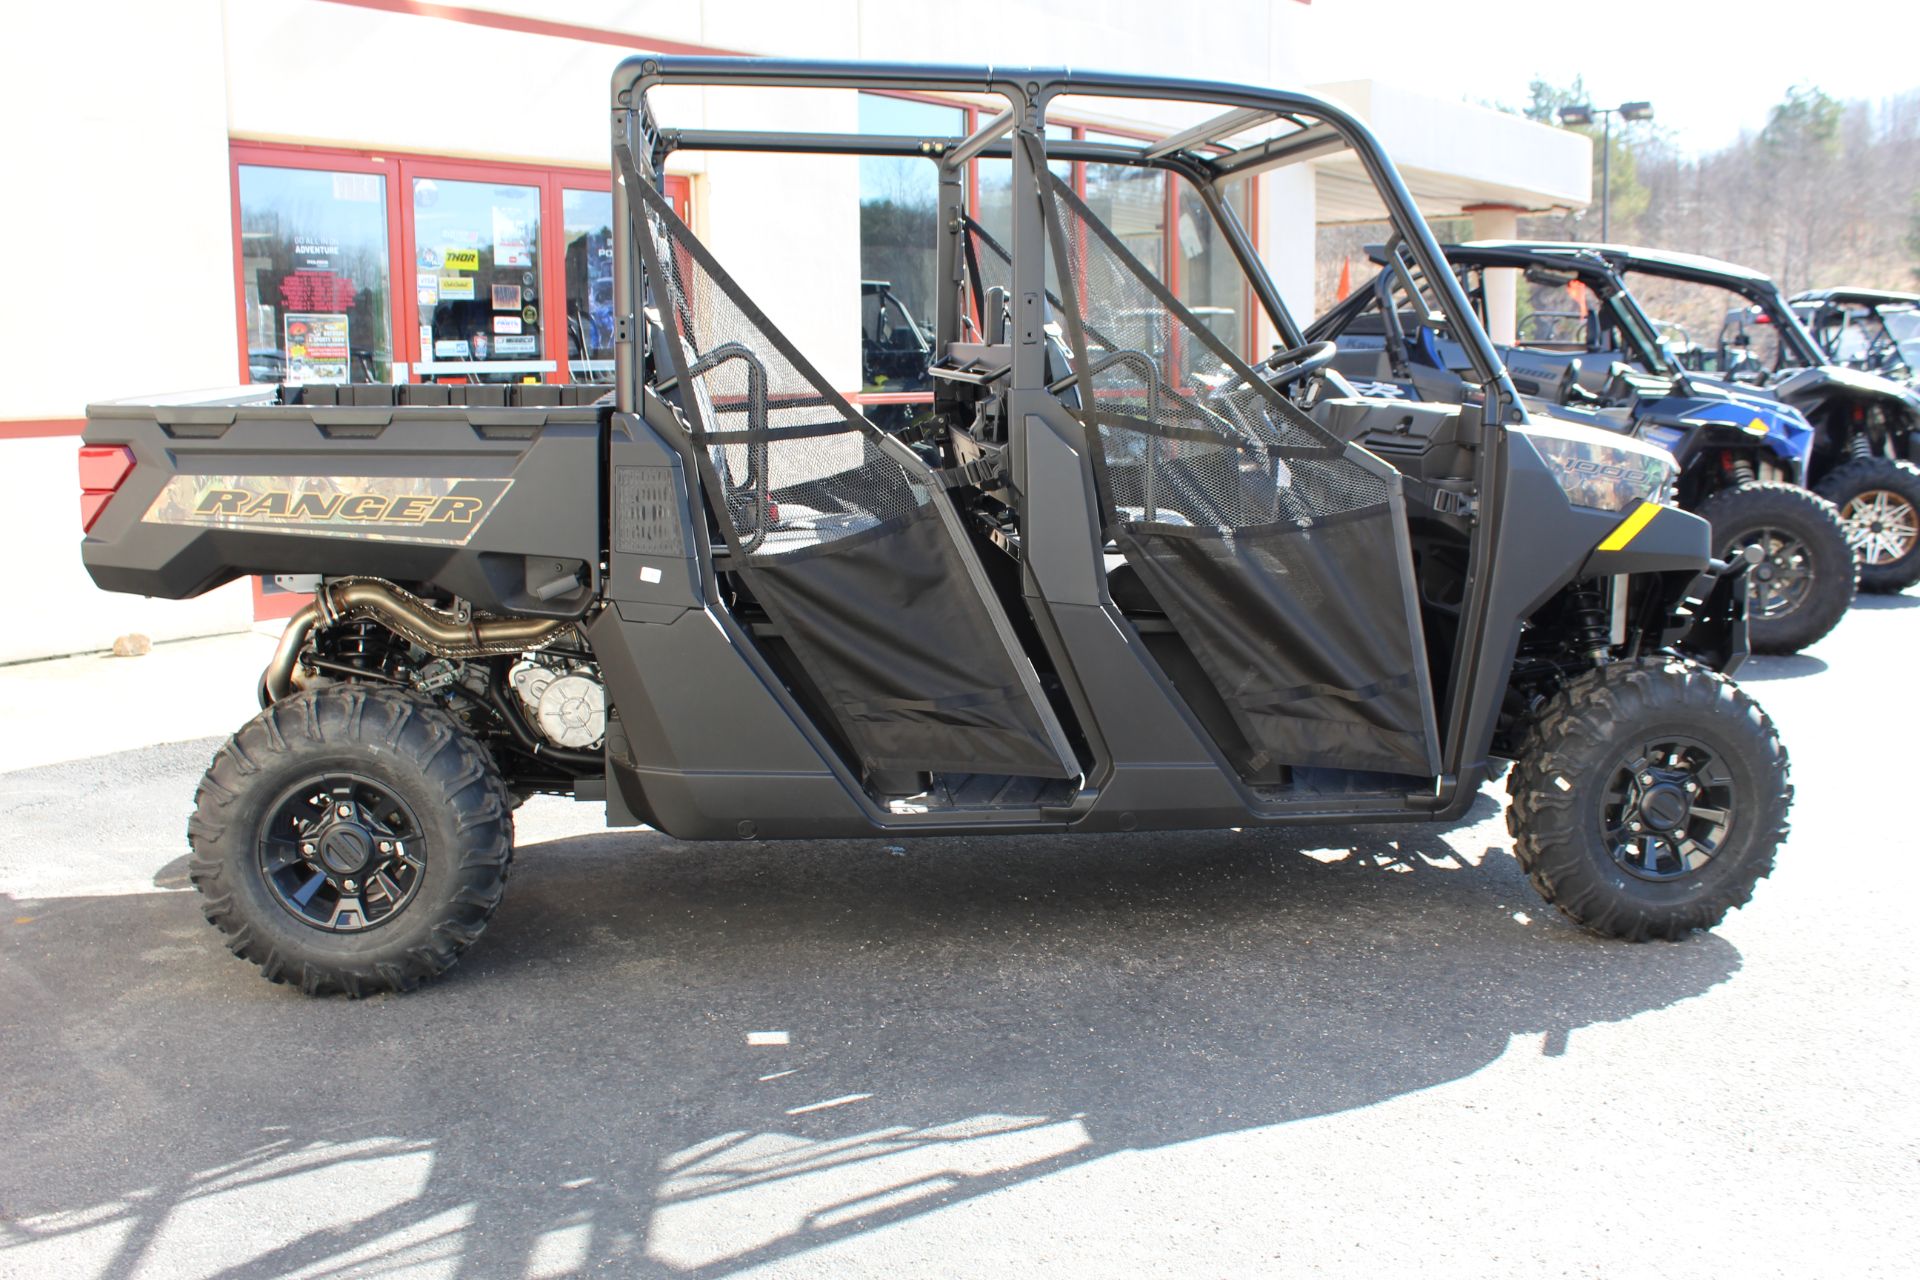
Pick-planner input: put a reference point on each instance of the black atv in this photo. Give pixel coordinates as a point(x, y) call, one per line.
point(1099, 589)
point(1875, 330)
point(1589, 354)
point(1866, 427)
point(896, 351)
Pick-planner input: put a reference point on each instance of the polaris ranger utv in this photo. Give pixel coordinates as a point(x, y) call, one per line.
point(1866, 427)
point(1095, 589)
point(1597, 359)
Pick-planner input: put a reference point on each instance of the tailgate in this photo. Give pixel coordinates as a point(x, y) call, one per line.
point(500, 506)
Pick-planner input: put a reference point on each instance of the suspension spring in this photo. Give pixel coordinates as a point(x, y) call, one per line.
point(1741, 470)
point(1591, 625)
point(365, 644)
point(1860, 444)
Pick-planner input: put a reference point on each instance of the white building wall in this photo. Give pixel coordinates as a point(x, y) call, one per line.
point(117, 158)
point(121, 226)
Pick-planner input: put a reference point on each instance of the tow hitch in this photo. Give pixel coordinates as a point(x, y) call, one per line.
point(1710, 622)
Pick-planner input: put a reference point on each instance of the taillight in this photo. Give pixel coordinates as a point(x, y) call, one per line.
point(103, 469)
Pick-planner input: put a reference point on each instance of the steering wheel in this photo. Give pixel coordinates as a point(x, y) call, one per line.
point(1295, 363)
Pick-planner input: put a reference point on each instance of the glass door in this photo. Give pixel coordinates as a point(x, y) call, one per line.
point(475, 256)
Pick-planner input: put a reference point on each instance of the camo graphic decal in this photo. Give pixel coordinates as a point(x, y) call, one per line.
point(379, 508)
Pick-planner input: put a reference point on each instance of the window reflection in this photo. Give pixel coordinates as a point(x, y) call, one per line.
point(478, 277)
point(1211, 281)
point(587, 227)
point(899, 224)
point(314, 274)
point(996, 189)
point(1132, 201)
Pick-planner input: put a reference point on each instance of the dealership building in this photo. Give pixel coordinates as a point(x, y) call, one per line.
point(385, 190)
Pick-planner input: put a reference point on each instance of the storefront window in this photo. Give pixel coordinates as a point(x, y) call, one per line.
point(314, 274)
point(478, 278)
point(996, 189)
point(1211, 282)
point(899, 222)
point(587, 226)
point(1132, 201)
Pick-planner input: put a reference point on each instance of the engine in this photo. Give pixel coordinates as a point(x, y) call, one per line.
point(565, 700)
point(529, 688)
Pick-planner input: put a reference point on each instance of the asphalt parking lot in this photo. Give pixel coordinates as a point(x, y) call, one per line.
point(1344, 1051)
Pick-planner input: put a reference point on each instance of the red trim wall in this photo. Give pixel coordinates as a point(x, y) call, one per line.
point(40, 428)
point(269, 605)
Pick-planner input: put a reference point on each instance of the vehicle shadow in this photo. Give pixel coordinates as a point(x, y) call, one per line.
point(940, 1020)
point(1784, 666)
point(1878, 600)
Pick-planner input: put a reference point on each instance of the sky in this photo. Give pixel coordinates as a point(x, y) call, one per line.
point(1710, 68)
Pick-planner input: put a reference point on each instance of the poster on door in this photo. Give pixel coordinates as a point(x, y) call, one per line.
point(510, 239)
point(316, 348)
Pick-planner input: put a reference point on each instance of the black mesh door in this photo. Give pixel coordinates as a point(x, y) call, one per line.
point(1277, 552)
point(843, 536)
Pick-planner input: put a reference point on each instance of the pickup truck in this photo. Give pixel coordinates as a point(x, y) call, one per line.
point(1097, 587)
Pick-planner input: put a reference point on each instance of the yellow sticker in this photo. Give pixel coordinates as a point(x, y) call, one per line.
point(1757, 427)
point(456, 288)
point(1629, 529)
point(460, 260)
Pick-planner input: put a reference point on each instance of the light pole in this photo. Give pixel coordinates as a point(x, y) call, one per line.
point(1583, 115)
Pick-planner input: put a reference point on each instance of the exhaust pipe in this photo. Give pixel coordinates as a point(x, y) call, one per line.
point(438, 631)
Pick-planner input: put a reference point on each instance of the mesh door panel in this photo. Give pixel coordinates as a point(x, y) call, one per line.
point(847, 545)
point(1315, 669)
point(1277, 556)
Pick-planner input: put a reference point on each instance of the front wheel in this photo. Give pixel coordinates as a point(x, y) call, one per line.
point(1648, 798)
point(1879, 502)
point(351, 839)
point(1804, 582)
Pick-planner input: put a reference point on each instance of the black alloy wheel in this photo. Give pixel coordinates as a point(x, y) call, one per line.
point(1668, 809)
point(1805, 579)
point(342, 853)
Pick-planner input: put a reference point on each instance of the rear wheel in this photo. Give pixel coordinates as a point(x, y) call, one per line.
point(351, 839)
point(1804, 582)
point(1648, 799)
point(1879, 502)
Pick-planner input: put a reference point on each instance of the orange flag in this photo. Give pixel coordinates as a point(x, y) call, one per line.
point(1345, 286)
point(1577, 292)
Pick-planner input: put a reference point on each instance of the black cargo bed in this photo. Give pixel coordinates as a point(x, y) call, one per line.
point(491, 492)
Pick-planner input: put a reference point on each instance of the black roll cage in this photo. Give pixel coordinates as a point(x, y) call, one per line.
point(1308, 126)
point(1597, 274)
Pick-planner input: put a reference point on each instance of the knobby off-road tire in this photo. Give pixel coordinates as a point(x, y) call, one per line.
point(386, 785)
point(1806, 583)
point(1879, 504)
point(1581, 778)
